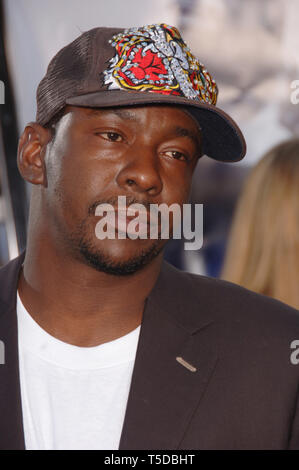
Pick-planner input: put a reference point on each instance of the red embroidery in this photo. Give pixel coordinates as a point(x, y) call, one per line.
point(149, 64)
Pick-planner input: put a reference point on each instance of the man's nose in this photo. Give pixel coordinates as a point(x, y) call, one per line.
point(140, 172)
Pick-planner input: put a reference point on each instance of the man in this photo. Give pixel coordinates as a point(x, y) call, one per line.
point(106, 345)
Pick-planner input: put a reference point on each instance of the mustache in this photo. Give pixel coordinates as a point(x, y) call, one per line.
point(114, 202)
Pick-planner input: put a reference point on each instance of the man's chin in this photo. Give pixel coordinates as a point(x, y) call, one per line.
point(108, 264)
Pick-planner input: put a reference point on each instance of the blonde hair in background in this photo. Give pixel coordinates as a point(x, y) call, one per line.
point(263, 248)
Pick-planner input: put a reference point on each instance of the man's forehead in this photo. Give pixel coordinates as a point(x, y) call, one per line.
point(132, 113)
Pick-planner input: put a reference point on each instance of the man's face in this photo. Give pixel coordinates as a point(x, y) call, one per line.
point(147, 154)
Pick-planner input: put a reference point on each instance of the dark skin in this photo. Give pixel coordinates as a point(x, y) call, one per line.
point(145, 153)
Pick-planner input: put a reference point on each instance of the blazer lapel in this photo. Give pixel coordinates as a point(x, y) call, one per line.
point(166, 391)
point(11, 421)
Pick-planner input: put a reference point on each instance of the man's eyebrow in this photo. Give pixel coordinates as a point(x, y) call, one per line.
point(183, 132)
point(122, 113)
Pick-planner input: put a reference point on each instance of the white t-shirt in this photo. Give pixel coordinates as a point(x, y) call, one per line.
point(72, 397)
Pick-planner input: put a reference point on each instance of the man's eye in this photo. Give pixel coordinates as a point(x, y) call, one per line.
point(177, 155)
point(112, 136)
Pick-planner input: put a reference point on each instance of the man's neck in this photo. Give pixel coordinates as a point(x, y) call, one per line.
point(78, 304)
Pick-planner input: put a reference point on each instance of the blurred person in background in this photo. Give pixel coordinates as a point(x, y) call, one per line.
point(263, 248)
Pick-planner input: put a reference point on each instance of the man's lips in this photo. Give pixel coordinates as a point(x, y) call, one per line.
point(121, 221)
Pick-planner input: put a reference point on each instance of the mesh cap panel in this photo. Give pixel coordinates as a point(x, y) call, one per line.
point(66, 73)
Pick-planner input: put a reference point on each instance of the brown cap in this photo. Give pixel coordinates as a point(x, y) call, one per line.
point(110, 67)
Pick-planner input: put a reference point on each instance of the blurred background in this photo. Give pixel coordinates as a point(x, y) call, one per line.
point(251, 47)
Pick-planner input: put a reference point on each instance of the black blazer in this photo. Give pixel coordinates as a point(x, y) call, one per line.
point(243, 394)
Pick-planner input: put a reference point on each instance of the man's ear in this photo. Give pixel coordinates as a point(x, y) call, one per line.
point(31, 153)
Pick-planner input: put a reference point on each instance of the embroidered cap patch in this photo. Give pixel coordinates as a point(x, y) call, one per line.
point(155, 58)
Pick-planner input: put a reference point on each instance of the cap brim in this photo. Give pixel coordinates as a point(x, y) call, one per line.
point(222, 138)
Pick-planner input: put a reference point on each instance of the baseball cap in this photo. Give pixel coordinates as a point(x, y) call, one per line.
point(114, 67)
